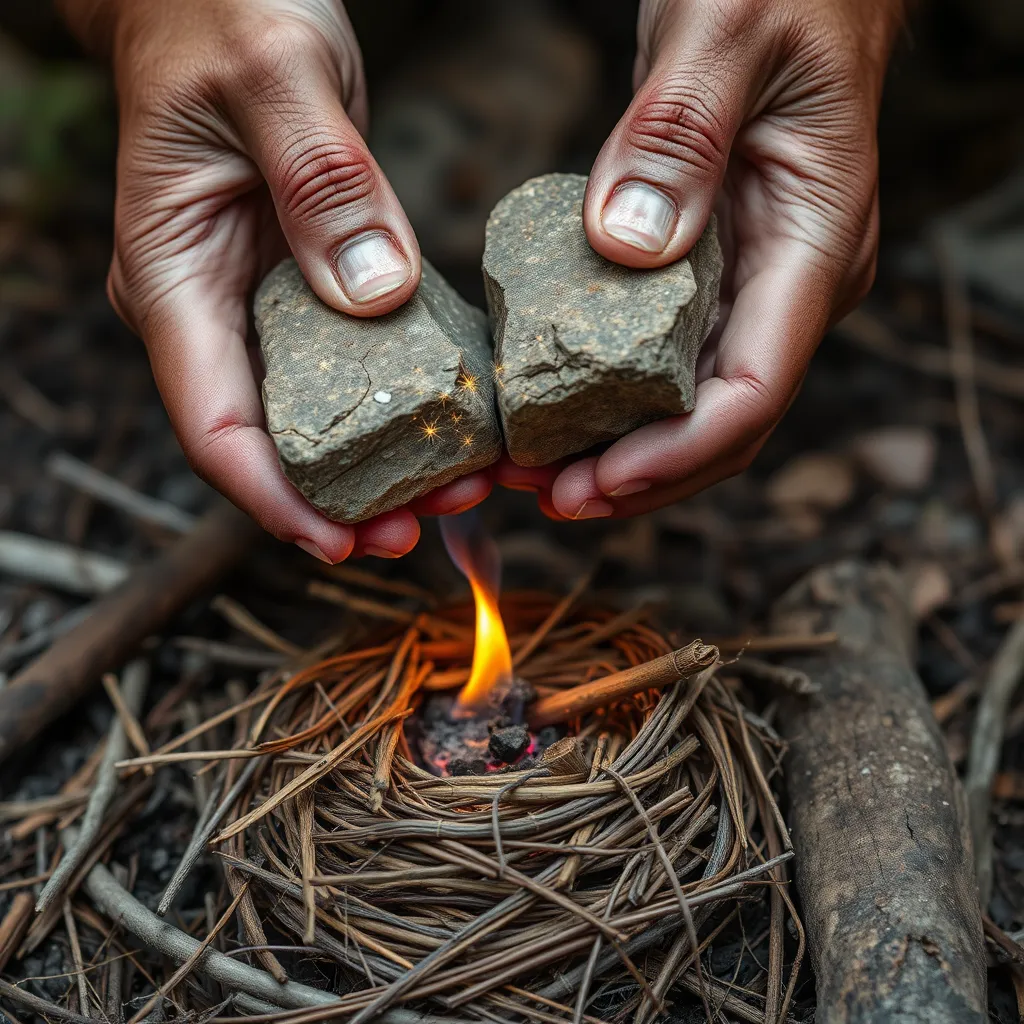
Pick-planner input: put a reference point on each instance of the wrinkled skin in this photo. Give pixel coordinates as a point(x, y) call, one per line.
point(241, 127)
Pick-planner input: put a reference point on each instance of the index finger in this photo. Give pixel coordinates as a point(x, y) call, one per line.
point(196, 344)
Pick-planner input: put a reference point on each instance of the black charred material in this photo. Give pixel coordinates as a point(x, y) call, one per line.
point(467, 766)
point(509, 743)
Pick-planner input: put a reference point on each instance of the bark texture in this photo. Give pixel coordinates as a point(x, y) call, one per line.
point(884, 866)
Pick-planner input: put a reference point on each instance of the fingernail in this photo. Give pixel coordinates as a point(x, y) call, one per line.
point(594, 509)
point(630, 487)
point(522, 487)
point(311, 549)
point(639, 215)
point(372, 549)
point(372, 265)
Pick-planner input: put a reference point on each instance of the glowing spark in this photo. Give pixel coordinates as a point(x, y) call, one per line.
point(430, 430)
point(467, 441)
point(456, 417)
point(443, 397)
point(468, 382)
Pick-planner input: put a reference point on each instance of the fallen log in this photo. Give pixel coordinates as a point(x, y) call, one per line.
point(883, 856)
point(119, 622)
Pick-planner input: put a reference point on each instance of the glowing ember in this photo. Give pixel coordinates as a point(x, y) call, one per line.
point(477, 558)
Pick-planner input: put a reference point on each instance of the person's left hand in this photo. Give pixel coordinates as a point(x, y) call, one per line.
point(766, 112)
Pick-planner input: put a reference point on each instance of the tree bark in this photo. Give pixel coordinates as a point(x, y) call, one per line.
point(883, 859)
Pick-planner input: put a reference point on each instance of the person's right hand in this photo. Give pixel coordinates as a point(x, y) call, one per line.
point(240, 137)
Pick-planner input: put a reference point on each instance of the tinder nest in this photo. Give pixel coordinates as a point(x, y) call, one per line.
point(584, 883)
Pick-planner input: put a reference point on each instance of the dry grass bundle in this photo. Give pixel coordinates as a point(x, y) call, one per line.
point(578, 885)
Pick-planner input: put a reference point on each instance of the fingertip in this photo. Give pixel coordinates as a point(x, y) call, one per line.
point(525, 478)
point(389, 535)
point(451, 499)
point(333, 543)
point(631, 221)
point(575, 494)
point(376, 273)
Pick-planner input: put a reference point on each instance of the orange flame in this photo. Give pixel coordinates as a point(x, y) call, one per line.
point(477, 557)
point(492, 660)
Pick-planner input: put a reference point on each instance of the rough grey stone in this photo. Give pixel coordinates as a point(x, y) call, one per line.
point(368, 414)
point(587, 350)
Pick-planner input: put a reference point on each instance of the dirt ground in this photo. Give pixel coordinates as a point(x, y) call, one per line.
point(870, 461)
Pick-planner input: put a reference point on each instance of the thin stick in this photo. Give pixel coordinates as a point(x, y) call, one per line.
point(76, 958)
point(553, 618)
point(791, 679)
point(96, 484)
point(113, 900)
point(651, 675)
point(129, 722)
point(241, 618)
point(119, 622)
point(670, 874)
point(986, 748)
point(136, 680)
point(364, 605)
point(961, 347)
point(201, 837)
point(185, 969)
point(312, 774)
point(24, 883)
point(304, 802)
point(873, 335)
point(59, 565)
point(45, 1009)
point(14, 925)
point(790, 643)
point(362, 578)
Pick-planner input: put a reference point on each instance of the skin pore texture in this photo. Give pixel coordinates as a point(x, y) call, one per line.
point(241, 133)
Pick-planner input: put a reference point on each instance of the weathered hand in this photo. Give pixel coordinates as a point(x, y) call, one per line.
point(764, 111)
point(240, 138)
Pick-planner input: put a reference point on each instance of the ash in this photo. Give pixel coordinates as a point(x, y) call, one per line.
point(494, 739)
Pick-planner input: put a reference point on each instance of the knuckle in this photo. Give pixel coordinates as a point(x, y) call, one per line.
point(206, 446)
point(682, 125)
point(270, 52)
point(761, 405)
point(316, 176)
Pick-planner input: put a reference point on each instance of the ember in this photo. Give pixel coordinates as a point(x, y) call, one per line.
point(484, 728)
point(451, 743)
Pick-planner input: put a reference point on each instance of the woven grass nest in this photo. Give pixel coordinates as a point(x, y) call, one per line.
point(572, 887)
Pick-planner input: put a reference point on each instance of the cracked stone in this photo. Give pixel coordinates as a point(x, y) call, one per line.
point(587, 350)
point(370, 413)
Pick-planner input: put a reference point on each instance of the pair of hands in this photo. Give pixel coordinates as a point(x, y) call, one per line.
point(241, 140)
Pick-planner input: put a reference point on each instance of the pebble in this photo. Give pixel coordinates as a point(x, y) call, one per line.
point(902, 458)
point(819, 479)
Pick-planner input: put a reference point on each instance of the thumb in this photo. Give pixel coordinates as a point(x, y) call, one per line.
point(342, 220)
point(653, 185)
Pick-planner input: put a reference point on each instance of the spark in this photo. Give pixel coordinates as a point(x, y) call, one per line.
point(444, 397)
point(456, 417)
point(467, 440)
point(430, 430)
point(467, 381)
point(498, 374)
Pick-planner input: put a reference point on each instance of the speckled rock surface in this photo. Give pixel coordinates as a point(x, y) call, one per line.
point(587, 350)
point(368, 414)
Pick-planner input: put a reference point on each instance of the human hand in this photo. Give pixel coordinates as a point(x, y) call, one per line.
point(764, 111)
point(240, 127)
